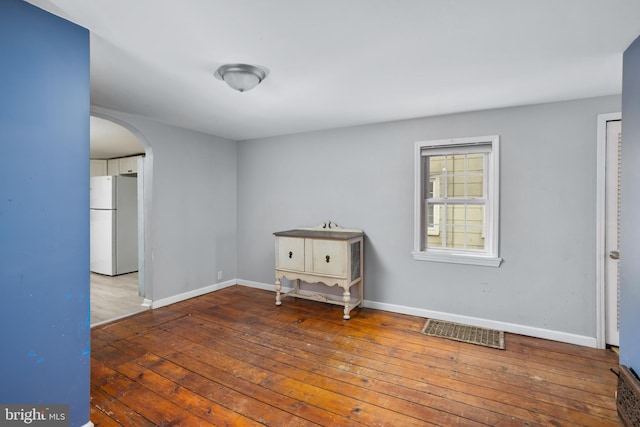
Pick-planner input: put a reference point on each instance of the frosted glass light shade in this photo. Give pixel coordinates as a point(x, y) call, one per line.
point(241, 77)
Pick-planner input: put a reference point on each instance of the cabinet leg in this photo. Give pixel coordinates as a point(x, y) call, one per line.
point(346, 297)
point(278, 289)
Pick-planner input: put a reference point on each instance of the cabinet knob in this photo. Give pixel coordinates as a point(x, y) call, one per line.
point(327, 258)
point(290, 254)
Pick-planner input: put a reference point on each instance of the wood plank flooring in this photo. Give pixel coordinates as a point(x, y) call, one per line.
point(233, 358)
point(114, 296)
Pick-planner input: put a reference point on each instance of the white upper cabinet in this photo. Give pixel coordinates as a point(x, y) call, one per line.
point(123, 165)
point(98, 167)
point(129, 165)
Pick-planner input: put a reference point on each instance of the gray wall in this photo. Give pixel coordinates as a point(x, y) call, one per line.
point(362, 177)
point(191, 226)
point(215, 204)
point(630, 230)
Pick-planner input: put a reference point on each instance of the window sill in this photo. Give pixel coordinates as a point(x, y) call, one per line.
point(486, 261)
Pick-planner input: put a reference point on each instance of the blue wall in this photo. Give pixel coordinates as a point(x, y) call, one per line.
point(44, 216)
point(630, 211)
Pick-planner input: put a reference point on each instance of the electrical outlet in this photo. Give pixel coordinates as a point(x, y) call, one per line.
point(220, 275)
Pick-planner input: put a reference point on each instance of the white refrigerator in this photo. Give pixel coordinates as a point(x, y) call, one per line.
point(114, 225)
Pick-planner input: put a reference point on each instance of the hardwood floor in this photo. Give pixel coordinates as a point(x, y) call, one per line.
point(114, 297)
point(234, 358)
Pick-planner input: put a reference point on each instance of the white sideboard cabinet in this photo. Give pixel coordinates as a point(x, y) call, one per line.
point(331, 256)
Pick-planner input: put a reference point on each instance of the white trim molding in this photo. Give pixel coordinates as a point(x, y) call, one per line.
point(192, 294)
point(454, 258)
point(601, 170)
point(93, 325)
point(513, 328)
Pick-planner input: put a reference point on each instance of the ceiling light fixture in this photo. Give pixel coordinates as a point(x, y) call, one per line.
point(241, 77)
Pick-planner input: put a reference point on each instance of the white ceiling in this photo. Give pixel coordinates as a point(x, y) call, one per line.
point(338, 63)
point(110, 140)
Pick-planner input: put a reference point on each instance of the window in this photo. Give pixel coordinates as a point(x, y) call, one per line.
point(456, 201)
point(433, 215)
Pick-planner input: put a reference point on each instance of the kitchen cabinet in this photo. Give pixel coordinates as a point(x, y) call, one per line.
point(123, 165)
point(98, 167)
point(128, 165)
point(113, 167)
point(333, 257)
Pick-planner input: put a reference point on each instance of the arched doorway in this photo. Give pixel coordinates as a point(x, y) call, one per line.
point(119, 155)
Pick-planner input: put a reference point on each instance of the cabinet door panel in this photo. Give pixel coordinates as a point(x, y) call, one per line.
point(128, 165)
point(290, 252)
point(113, 167)
point(329, 257)
point(98, 167)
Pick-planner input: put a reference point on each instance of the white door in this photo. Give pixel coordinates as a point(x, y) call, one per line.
point(612, 232)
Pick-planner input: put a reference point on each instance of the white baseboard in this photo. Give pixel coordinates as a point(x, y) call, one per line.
point(119, 317)
point(259, 285)
point(192, 294)
point(89, 424)
point(514, 328)
point(531, 331)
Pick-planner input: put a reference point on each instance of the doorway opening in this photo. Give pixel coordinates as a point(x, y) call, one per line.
point(608, 226)
point(118, 162)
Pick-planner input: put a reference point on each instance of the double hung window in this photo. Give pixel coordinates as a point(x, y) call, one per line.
point(456, 197)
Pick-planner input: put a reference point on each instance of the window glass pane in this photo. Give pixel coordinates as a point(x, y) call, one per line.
point(475, 187)
point(456, 226)
point(475, 163)
point(475, 227)
point(456, 186)
point(475, 171)
point(434, 241)
point(474, 237)
point(435, 217)
point(435, 184)
point(436, 165)
point(457, 163)
point(455, 237)
point(462, 175)
point(448, 165)
point(475, 215)
point(455, 214)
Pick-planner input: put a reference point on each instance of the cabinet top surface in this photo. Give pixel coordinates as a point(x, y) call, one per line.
point(320, 234)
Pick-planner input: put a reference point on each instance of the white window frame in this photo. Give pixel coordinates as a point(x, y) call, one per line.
point(488, 257)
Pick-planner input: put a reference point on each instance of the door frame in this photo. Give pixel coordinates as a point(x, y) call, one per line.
point(145, 183)
point(601, 168)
